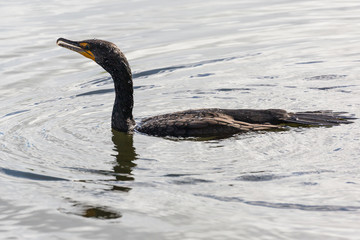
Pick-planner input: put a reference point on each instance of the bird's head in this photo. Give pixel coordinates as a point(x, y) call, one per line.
point(104, 53)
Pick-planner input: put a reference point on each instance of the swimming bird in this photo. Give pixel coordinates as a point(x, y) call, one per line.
point(190, 123)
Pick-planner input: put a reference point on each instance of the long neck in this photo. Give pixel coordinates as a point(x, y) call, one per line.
point(122, 119)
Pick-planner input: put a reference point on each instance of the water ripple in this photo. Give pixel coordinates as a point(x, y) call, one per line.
point(190, 65)
point(304, 207)
point(28, 175)
point(269, 177)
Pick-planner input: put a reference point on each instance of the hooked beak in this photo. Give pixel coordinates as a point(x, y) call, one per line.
point(79, 47)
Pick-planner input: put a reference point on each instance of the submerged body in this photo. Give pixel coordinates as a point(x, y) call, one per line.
point(191, 123)
point(223, 122)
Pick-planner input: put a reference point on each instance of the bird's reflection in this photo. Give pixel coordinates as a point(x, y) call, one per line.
point(125, 157)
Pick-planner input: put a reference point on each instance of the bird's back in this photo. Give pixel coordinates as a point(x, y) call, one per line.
point(199, 123)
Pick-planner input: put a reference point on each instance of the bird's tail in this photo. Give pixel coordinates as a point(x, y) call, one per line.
point(320, 118)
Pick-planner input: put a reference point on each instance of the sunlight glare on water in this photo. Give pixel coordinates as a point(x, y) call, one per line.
point(65, 174)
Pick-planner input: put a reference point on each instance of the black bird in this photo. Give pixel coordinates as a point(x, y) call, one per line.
point(191, 123)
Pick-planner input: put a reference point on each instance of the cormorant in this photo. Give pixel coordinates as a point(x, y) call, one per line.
point(191, 123)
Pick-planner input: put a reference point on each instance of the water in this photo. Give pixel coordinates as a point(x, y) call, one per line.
point(65, 175)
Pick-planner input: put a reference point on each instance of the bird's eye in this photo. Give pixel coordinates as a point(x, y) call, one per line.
point(85, 46)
